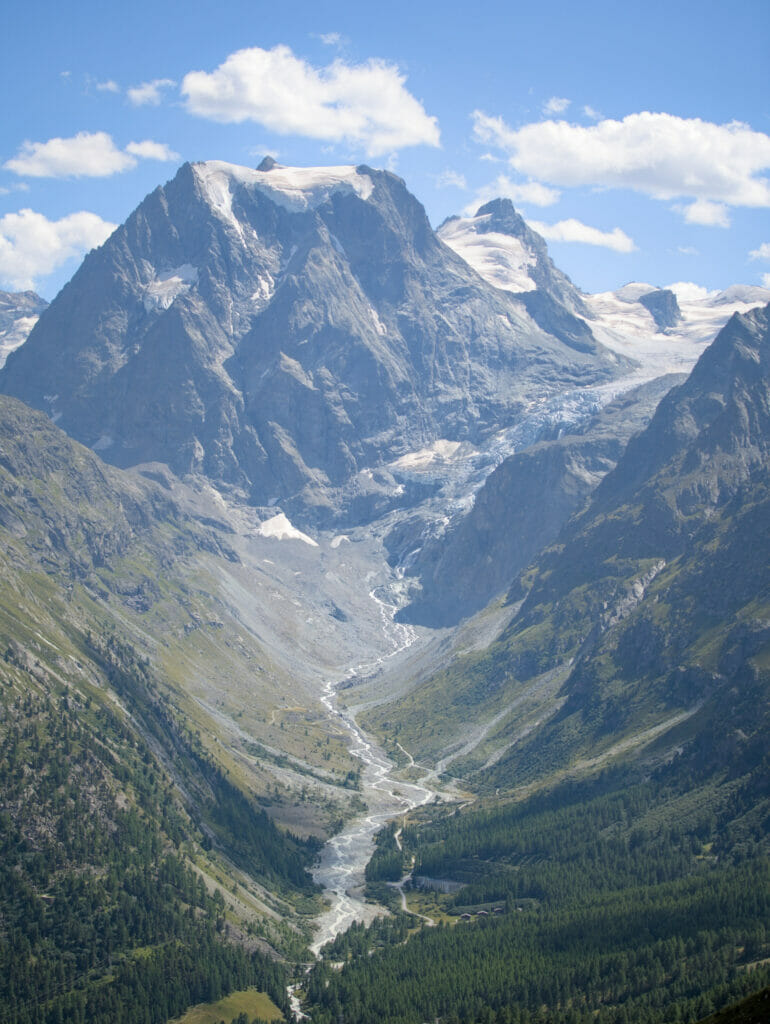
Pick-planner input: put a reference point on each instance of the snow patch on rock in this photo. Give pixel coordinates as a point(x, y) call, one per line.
point(280, 528)
point(167, 286)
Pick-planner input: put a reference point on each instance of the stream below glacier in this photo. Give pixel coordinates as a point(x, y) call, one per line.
point(340, 869)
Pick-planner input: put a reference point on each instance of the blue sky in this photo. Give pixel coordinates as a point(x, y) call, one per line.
point(636, 138)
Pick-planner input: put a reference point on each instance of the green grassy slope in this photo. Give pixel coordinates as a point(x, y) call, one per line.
point(139, 873)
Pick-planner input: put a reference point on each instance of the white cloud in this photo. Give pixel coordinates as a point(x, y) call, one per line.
point(556, 105)
point(688, 250)
point(766, 280)
point(32, 246)
point(85, 155)
point(660, 155)
point(109, 86)
point(518, 192)
point(703, 211)
point(363, 104)
point(762, 253)
point(330, 38)
point(149, 93)
point(91, 155)
point(688, 291)
point(451, 179)
point(149, 150)
point(575, 231)
point(591, 114)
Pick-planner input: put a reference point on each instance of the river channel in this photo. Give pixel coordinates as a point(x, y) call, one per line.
point(343, 859)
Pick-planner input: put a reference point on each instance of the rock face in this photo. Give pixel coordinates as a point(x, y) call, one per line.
point(663, 306)
point(19, 312)
point(285, 331)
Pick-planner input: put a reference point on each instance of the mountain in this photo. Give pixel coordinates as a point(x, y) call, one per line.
point(286, 331)
point(19, 312)
point(647, 621)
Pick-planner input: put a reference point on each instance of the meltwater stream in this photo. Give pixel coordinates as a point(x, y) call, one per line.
point(343, 859)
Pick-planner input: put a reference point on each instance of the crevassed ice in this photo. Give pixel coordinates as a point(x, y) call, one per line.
point(500, 259)
point(160, 293)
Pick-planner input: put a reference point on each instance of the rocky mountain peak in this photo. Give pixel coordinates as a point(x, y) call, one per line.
point(285, 331)
point(501, 247)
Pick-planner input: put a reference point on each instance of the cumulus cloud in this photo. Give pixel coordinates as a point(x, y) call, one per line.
point(365, 105)
point(149, 150)
point(149, 93)
point(451, 179)
point(762, 253)
point(661, 155)
point(31, 246)
point(108, 86)
point(556, 105)
point(85, 155)
point(688, 291)
point(575, 231)
point(518, 192)
point(703, 211)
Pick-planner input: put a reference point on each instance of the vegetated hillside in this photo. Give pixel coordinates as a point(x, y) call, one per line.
point(648, 620)
point(635, 896)
point(626, 848)
point(134, 867)
point(284, 332)
point(753, 1010)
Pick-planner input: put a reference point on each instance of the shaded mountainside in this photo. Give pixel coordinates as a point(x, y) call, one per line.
point(281, 331)
point(648, 622)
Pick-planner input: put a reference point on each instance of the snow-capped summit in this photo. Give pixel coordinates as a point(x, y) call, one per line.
point(501, 247)
point(295, 188)
point(285, 331)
